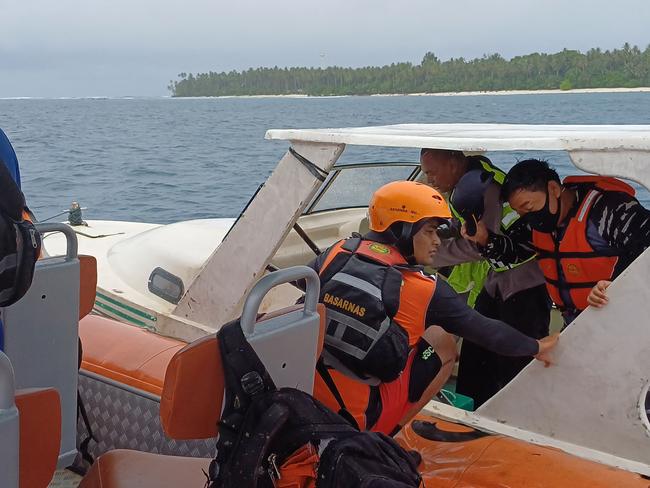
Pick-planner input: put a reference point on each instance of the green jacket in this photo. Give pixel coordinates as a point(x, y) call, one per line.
point(469, 277)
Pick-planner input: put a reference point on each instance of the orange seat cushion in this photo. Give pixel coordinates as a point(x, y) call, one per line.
point(190, 406)
point(188, 378)
point(126, 353)
point(123, 468)
point(40, 435)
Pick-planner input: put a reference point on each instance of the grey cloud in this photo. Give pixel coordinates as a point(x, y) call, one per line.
point(118, 47)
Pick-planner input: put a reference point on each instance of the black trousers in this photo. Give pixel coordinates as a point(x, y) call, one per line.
point(482, 373)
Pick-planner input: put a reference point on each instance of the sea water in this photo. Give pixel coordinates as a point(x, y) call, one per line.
point(162, 159)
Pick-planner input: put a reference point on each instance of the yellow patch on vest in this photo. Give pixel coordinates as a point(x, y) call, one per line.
point(346, 305)
point(379, 249)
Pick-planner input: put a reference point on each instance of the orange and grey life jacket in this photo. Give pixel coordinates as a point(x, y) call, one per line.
point(376, 308)
point(570, 265)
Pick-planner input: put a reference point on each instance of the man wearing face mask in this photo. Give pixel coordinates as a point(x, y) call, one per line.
point(586, 230)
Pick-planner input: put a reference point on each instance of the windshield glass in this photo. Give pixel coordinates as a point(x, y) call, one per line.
point(352, 186)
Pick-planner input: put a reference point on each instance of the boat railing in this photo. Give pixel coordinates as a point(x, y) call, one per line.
point(71, 237)
point(264, 285)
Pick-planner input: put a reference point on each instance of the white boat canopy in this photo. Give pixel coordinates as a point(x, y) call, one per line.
point(481, 137)
point(613, 150)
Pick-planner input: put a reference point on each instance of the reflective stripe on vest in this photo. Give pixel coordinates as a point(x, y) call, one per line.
point(355, 282)
point(415, 293)
point(344, 321)
point(498, 175)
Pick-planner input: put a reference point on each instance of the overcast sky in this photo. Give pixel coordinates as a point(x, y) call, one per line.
point(53, 48)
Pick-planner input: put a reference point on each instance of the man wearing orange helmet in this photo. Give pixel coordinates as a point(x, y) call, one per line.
point(388, 347)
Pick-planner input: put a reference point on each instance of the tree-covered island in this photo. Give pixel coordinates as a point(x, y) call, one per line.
point(628, 67)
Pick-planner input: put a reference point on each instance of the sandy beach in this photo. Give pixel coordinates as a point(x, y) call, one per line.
point(449, 94)
point(531, 92)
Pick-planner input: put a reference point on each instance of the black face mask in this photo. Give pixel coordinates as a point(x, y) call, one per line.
point(543, 220)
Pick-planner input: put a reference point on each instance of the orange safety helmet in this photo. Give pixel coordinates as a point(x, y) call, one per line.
point(405, 201)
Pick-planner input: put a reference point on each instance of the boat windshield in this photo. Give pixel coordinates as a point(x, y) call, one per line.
point(352, 185)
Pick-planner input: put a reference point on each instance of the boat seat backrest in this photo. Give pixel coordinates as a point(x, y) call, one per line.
point(41, 332)
point(193, 391)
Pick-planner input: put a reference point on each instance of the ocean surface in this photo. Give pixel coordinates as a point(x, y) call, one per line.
point(163, 160)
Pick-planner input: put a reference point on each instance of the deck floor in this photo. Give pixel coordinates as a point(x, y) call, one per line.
point(64, 478)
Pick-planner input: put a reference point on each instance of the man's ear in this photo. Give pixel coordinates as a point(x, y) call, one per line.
point(554, 189)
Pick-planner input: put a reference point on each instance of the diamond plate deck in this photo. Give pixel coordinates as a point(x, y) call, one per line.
point(64, 478)
point(123, 419)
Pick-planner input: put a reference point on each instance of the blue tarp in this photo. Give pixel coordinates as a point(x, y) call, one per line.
point(8, 156)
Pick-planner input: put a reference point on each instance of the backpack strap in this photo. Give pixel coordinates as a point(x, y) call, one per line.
point(81, 411)
point(324, 373)
point(352, 243)
point(335, 260)
point(246, 379)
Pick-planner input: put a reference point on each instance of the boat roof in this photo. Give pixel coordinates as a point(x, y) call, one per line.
point(481, 137)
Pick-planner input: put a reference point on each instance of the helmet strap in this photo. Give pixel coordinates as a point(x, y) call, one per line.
point(407, 228)
point(405, 240)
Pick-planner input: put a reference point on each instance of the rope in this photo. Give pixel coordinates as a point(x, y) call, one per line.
point(74, 214)
point(318, 172)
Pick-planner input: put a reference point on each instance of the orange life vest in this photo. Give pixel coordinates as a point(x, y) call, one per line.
point(572, 263)
point(416, 292)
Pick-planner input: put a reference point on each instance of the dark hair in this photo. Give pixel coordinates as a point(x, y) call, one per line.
point(450, 153)
point(531, 175)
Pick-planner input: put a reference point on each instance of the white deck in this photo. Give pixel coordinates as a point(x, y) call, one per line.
point(127, 253)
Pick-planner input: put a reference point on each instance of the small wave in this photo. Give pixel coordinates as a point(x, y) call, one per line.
point(22, 98)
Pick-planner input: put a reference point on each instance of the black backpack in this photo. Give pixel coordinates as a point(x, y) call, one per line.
point(261, 426)
point(20, 242)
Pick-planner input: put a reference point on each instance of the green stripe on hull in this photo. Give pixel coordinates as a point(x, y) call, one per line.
point(133, 310)
point(117, 314)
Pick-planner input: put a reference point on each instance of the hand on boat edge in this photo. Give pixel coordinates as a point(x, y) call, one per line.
point(598, 294)
point(546, 346)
